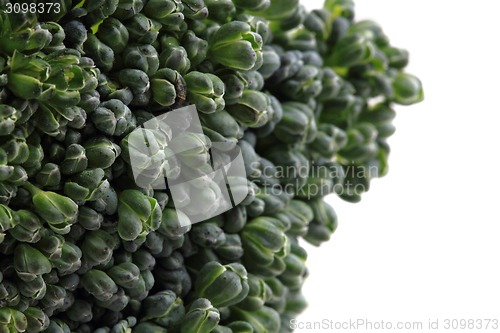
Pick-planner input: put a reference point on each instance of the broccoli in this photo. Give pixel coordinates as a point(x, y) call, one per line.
point(87, 245)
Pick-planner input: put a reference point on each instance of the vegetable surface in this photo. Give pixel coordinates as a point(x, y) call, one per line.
point(85, 246)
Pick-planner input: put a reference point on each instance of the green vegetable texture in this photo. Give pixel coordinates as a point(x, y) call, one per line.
point(85, 246)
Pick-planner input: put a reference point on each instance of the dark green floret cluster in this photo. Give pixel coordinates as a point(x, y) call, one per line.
point(307, 96)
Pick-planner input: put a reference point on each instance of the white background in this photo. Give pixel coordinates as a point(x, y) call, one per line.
point(424, 243)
